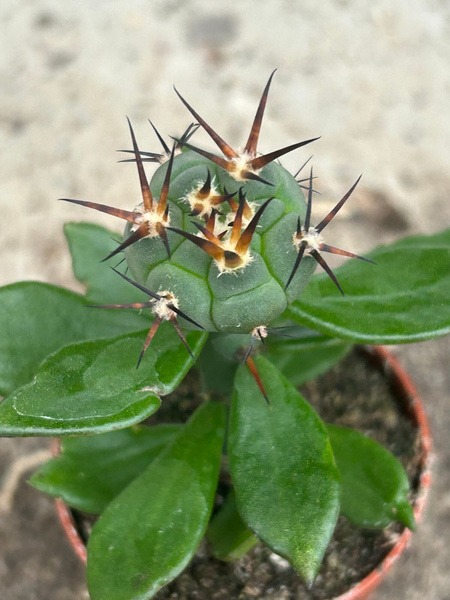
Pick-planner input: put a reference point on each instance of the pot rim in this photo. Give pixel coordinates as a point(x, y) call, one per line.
point(414, 407)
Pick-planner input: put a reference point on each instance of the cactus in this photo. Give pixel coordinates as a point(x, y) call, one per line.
point(220, 237)
point(215, 263)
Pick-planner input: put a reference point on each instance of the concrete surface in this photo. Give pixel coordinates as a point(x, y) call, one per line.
point(372, 78)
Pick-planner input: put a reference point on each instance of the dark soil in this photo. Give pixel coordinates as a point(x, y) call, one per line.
point(355, 393)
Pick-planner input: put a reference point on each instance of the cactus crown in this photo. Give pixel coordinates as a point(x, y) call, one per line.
point(221, 235)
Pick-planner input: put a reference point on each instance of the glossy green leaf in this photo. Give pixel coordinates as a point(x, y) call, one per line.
point(375, 486)
point(89, 244)
point(282, 466)
point(303, 359)
point(405, 297)
point(93, 387)
point(37, 319)
point(92, 470)
point(148, 534)
point(228, 535)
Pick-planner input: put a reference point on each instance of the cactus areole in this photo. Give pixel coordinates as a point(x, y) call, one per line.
point(220, 243)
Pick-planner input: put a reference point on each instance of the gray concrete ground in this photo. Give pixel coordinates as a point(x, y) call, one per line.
point(372, 78)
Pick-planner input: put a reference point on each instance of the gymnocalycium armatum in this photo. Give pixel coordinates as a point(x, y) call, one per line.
point(214, 274)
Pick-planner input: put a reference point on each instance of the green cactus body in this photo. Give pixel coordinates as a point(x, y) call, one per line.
point(248, 297)
point(221, 243)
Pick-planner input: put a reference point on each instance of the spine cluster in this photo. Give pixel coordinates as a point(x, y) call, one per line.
point(245, 215)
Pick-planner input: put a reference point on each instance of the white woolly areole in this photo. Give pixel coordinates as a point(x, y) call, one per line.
point(163, 158)
point(240, 164)
point(160, 307)
point(230, 216)
point(312, 238)
point(260, 332)
point(152, 218)
point(246, 259)
point(194, 200)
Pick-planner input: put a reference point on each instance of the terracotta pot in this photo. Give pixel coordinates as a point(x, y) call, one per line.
point(413, 407)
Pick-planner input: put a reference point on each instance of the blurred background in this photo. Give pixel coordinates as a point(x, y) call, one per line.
point(371, 77)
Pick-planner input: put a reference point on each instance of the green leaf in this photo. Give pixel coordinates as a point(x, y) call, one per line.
point(93, 387)
point(403, 298)
point(228, 535)
point(89, 244)
point(92, 470)
point(303, 359)
point(148, 534)
point(375, 487)
point(286, 481)
point(37, 319)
